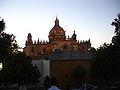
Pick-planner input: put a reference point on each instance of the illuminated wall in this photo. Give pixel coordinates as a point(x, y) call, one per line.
point(63, 70)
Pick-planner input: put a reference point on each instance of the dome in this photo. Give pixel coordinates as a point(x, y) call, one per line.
point(57, 32)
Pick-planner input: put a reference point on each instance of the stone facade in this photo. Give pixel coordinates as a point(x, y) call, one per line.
point(57, 40)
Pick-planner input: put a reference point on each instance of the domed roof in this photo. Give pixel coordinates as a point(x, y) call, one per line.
point(57, 30)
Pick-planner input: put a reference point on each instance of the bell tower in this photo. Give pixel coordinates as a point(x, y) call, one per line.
point(74, 36)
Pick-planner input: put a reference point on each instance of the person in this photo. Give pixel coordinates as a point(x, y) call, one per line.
point(54, 84)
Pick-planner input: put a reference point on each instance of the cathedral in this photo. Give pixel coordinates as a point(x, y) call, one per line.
point(57, 40)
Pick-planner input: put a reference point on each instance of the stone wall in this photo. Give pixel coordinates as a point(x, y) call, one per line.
point(71, 55)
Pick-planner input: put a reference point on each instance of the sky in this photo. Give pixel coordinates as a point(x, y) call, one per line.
point(89, 18)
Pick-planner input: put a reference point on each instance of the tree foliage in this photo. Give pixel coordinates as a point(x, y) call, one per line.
point(17, 67)
point(20, 70)
point(8, 43)
point(2, 25)
point(102, 63)
point(116, 38)
point(79, 72)
point(116, 23)
point(116, 45)
point(106, 62)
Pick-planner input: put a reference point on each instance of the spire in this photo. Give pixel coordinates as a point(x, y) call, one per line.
point(38, 41)
point(29, 35)
point(68, 37)
point(56, 22)
point(29, 39)
point(74, 31)
point(35, 42)
point(89, 41)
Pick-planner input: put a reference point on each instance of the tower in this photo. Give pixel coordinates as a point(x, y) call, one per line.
point(29, 39)
point(74, 36)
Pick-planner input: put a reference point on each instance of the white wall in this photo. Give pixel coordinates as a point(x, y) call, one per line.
point(44, 68)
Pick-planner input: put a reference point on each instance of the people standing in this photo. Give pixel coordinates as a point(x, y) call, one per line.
point(54, 84)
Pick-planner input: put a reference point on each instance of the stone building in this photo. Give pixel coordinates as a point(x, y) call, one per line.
point(57, 40)
point(64, 54)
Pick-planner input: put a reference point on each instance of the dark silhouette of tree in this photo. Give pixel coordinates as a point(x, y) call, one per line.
point(102, 64)
point(8, 43)
point(2, 25)
point(17, 67)
point(106, 62)
point(116, 23)
point(116, 45)
point(79, 72)
point(8, 46)
point(116, 38)
point(25, 71)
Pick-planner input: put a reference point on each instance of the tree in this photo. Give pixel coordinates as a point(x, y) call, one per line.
point(20, 70)
point(116, 45)
point(24, 71)
point(8, 43)
point(8, 46)
point(17, 67)
point(102, 63)
point(116, 23)
point(106, 61)
point(79, 72)
point(2, 25)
